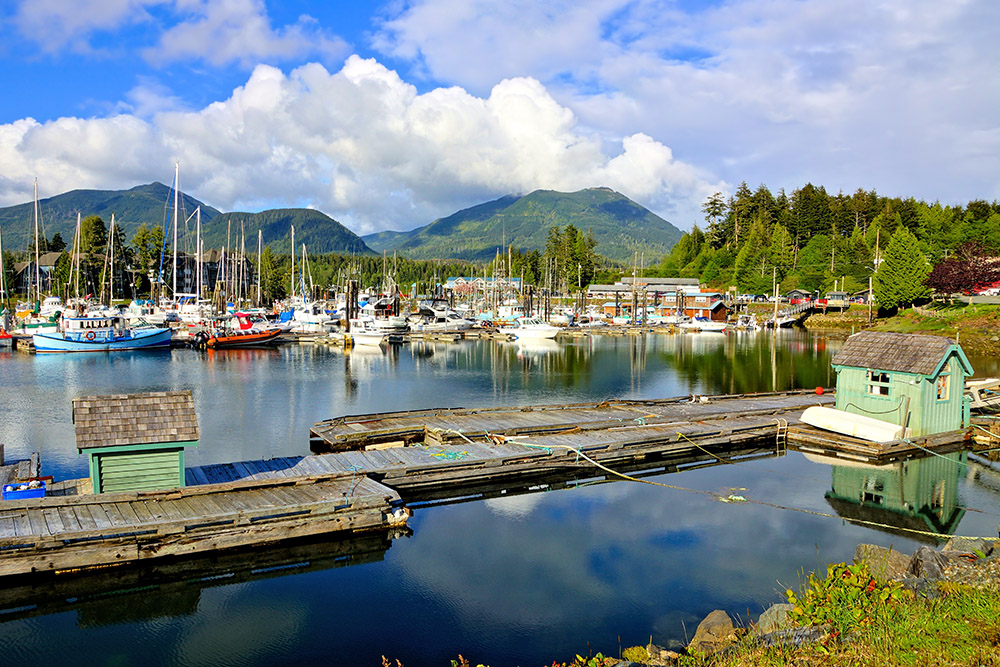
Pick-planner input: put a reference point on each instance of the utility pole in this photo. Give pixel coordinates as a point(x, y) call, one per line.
point(870, 298)
point(774, 279)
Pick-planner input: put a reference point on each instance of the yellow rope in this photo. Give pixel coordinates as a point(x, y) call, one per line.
point(731, 498)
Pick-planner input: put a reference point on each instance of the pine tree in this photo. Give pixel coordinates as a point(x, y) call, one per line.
point(899, 280)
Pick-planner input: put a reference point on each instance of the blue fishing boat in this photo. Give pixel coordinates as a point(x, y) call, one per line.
point(100, 334)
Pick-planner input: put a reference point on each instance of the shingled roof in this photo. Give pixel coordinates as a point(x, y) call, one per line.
point(906, 353)
point(130, 419)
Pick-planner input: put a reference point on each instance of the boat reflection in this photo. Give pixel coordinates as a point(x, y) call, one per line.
point(127, 594)
point(915, 499)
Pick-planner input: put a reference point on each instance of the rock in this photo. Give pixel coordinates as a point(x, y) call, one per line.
point(714, 634)
point(883, 564)
point(927, 563)
point(774, 618)
point(960, 546)
point(661, 656)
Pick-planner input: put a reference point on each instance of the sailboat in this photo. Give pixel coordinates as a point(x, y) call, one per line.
point(38, 315)
point(6, 340)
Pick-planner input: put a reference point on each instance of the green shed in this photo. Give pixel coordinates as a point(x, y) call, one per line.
point(911, 380)
point(136, 442)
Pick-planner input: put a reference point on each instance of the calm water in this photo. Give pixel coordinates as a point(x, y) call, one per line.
point(513, 580)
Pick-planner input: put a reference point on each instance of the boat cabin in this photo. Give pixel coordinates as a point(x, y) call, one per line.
point(911, 380)
point(136, 442)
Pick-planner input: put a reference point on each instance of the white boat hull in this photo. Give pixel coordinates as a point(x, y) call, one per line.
point(848, 423)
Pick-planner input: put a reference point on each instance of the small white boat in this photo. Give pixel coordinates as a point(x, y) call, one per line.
point(529, 327)
point(848, 423)
point(704, 324)
point(363, 332)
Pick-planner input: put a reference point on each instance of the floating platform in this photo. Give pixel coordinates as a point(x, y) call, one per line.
point(88, 531)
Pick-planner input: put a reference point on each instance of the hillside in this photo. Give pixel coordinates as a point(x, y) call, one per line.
point(141, 204)
point(619, 225)
point(149, 204)
point(318, 231)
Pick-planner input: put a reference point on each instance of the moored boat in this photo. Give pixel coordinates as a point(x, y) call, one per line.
point(100, 334)
point(530, 327)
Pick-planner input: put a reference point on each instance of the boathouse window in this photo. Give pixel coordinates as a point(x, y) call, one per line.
point(942, 387)
point(878, 383)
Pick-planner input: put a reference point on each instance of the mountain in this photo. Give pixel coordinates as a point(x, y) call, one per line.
point(142, 204)
point(318, 231)
point(620, 226)
point(152, 204)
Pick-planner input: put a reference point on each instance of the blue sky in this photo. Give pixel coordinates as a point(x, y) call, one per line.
point(387, 115)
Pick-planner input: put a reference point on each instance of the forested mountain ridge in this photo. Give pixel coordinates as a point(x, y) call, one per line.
point(143, 204)
point(319, 232)
point(152, 205)
point(619, 226)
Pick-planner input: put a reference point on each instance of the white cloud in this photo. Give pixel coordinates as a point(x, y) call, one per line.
point(360, 144)
point(897, 95)
point(55, 25)
point(217, 32)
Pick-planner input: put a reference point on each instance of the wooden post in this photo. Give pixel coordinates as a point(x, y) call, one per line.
point(774, 278)
point(870, 299)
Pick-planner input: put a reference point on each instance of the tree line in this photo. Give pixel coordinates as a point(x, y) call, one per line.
point(813, 240)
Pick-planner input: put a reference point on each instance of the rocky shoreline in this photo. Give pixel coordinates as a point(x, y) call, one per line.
point(973, 562)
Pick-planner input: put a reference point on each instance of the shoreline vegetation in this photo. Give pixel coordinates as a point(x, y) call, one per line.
point(975, 326)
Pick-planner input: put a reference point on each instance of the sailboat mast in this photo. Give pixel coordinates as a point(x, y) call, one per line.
point(293, 263)
point(177, 187)
point(111, 282)
point(260, 249)
point(197, 259)
point(3, 273)
point(38, 271)
point(76, 258)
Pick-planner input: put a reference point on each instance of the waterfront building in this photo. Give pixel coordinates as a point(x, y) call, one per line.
point(910, 380)
point(136, 442)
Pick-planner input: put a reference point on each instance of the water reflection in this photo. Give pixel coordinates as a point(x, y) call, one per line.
point(916, 499)
point(174, 589)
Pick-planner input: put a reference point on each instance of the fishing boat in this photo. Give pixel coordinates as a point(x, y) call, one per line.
point(100, 334)
point(245, 330)
point(6, 340)
point(529, 327)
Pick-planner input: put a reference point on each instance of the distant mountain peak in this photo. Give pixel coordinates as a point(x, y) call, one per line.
point(619, 225)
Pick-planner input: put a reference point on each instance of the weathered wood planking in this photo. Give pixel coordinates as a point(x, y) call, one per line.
point(357, 431)
point(87, 531)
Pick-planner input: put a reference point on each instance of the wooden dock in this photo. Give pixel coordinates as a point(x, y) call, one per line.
point(372, 464)
point(76, 532)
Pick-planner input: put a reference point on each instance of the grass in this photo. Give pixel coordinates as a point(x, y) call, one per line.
point(881, 625)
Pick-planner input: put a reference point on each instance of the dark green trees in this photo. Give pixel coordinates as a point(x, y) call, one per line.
point(899, 280)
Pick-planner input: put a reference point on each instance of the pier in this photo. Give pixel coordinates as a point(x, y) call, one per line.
point(368, 470)
point(92, 531)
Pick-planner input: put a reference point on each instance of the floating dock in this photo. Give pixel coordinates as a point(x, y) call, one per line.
point(368, 469)
point(88, 531)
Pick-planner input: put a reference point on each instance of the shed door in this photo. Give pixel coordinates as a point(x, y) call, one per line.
point(139, 471)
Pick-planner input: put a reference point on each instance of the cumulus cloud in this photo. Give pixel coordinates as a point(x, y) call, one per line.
point(360, 144)
point(845, 93)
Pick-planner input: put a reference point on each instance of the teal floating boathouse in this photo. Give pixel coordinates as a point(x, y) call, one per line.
point(136, 442)
point(911, 380)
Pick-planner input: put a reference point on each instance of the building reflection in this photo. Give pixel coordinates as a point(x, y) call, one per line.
point(915, 499)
